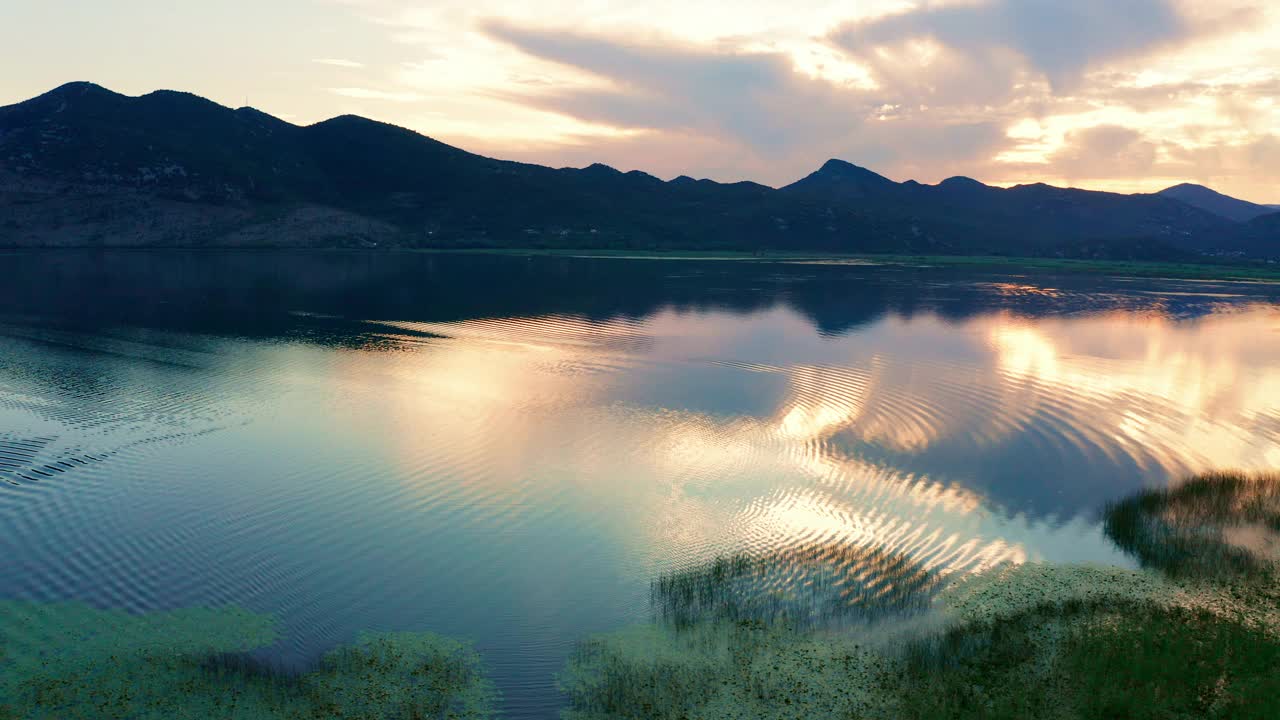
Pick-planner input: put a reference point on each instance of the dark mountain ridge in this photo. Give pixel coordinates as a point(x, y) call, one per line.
point(82, 165)
point(1215, 202)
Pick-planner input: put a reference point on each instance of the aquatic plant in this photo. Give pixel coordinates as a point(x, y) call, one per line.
point(719, 670)
point(1035, 640)
point(1215, 526)
point(63, 661)
point(1011, 590)
point(70, 660)
point(1094, 660)
point(402, 675)
point(750, 636)
point(807, 586)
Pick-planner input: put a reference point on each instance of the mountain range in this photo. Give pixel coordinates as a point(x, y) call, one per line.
point(84, 166)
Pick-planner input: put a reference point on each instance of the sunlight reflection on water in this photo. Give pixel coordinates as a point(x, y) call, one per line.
point(510, 450)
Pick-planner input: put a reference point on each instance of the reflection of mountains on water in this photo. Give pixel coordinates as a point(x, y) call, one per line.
point(328, 434)
point(1041, 397)
point(259, 294)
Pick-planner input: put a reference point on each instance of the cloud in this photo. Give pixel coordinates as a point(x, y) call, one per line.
point(1105, 151)
point(338, 62)
point(752, 104)
point(369, 94)
point(752, 96)
point(1059, 39)
point(1109, 93)
point(1257, 160)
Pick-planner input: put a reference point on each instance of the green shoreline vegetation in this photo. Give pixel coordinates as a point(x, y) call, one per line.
point(817, 631)
point(68, 661)
point(1178, 639)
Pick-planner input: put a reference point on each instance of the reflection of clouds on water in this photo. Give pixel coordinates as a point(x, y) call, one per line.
point(511, 428)
point(1165, 395)
point(1014, 289)
point(882, 438)
point(528, 442)
point(1186, 396)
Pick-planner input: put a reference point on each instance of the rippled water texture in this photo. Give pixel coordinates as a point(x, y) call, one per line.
point(508, 450)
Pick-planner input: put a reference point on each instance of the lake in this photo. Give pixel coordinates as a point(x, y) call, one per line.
point(509, 449)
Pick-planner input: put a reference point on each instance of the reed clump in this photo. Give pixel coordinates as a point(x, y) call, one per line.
point(807, 586)
point(1215, 526)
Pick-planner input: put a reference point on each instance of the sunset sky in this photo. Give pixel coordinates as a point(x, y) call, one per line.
point(1128, 95)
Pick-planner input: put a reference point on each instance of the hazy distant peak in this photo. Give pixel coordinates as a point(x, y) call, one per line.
point(843, 168)
point(181, 102)
point(71, 94)
point(838, 177)
point(348, 120)
point(252, 112)
point(641, 175)
point(1215, 202)
point(177, 94)
point(359, 122)
point(80, 87)
point(602, 169)
point(959, 181)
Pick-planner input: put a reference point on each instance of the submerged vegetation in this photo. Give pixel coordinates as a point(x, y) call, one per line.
point(1175, 640)
point(804, 586)
point(1216, 526)
point(781, 635)
point(67, 661)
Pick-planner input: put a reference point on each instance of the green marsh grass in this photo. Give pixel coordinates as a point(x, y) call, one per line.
point(1188, 531)
point(719, 670)
point(68, 661)
point(1196, 634)
point(811, 585)
point(1095, 660)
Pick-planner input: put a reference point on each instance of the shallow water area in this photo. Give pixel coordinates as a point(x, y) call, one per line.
point(508, 450)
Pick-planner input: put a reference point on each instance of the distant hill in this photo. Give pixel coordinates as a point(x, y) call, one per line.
point(1215, 202)
point(1060, 220)
point(82, 165)
point(1262, 236)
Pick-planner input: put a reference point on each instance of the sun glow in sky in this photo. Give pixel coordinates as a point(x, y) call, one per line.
point(1128, 95)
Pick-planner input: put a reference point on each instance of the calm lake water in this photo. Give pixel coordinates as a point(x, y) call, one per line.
point(508, 449)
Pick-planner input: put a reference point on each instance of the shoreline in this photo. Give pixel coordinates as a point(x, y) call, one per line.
point(1257, 272)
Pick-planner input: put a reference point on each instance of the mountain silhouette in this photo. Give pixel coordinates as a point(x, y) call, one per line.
point(1216, 203)
point(84, 166)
